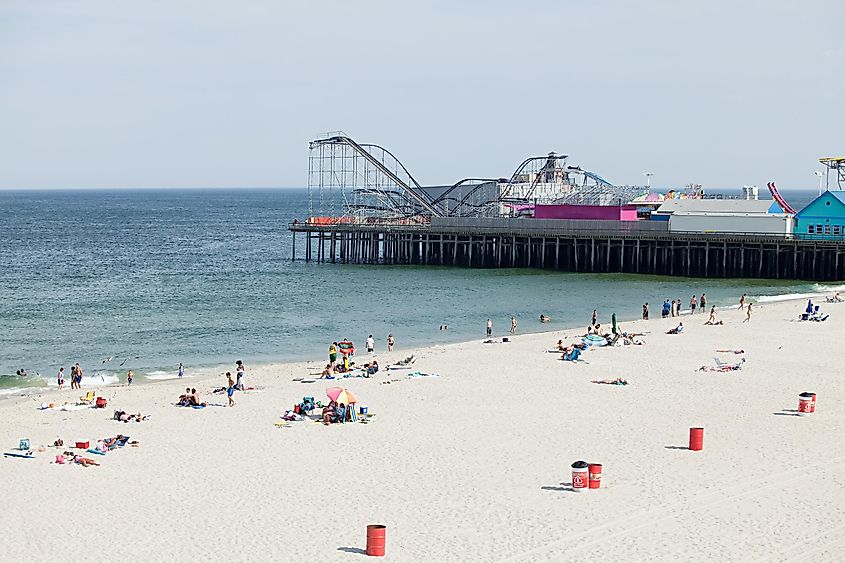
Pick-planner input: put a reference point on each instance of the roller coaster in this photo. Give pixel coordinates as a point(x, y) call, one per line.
point(363, 182)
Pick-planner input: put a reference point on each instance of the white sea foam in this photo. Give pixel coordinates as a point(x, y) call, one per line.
point(161, 375)
point(784, 297)
point(97, 379)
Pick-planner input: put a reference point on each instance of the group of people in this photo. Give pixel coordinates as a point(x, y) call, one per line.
point(336, 413)
point(191, 399)
point(673, 308)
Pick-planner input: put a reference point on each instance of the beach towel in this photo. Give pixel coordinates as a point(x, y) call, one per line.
point(27, 455)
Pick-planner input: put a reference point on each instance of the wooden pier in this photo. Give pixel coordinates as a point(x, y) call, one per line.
point(523, 244)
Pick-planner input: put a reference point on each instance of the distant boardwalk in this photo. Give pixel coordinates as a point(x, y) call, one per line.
point(598, 246)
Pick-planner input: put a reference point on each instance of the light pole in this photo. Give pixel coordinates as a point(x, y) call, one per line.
point(820, 175)
point(648, 176)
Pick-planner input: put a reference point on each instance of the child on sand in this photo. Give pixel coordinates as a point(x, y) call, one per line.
point(230, 388)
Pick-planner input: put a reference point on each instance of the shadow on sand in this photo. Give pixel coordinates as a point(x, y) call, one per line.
point(356, 550)
point(564, 487)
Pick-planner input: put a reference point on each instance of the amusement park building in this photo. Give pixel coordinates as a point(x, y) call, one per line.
point(824, 217)
point(725, 216)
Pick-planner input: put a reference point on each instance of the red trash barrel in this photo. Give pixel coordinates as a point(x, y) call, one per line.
point(580, 478)
point(813, 402)
point(696, 439)
point(805, 404)
point(375, 540)
point(595, 475)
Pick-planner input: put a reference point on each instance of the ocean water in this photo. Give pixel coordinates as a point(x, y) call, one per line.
point(143, 280)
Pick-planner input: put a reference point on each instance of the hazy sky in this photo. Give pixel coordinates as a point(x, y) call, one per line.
point(148, 93)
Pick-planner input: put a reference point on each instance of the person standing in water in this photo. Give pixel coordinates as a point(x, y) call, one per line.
point(703, 303)
point(742, 302)
point(390, 342)
point(181, 371)
point(129, 377)
point(645, 311)
point(489, 327)
point(692, 303)
point(513, 324)
point(60, 378)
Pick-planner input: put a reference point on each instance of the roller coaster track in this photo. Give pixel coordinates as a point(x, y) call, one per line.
point(413, 192)
point(779, 199)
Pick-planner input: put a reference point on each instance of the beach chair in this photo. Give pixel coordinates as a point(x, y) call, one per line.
point(88, 398)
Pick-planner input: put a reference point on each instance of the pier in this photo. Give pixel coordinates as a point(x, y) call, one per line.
point(641, 248)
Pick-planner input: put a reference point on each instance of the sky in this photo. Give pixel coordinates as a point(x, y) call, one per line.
point(211, 93)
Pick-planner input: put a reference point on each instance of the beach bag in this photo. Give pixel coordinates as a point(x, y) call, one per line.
point(23, 444)
point(60, 459)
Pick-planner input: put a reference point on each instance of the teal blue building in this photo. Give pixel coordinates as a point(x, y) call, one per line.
point(824, 217)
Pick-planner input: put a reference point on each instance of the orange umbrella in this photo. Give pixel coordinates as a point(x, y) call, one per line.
point(341, 395)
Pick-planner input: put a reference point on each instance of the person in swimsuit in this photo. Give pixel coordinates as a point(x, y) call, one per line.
point(748, 314)
point(78, 376)
point(230, 388)
point(181, 371)
point(645, 311)
point(489, 327)
point(513, 324)
point(129, 377)
point(333, 352)
point(742, 302)
point(692, 303)
point(60, 378)
point(390, 342)
point(595, 316)
point(703, 302)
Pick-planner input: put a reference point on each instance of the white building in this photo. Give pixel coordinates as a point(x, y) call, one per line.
point(725, 216)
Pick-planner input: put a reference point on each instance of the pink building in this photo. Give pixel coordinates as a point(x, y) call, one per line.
point(587, 212)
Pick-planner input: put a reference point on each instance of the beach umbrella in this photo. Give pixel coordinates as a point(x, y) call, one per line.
point(341, 395)
point(613, 320)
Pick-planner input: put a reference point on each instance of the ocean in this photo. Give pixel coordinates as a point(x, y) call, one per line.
point(146, 279)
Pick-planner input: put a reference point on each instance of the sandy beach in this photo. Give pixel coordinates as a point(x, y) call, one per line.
point(471, 465)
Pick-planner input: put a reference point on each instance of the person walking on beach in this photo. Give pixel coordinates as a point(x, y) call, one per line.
point(78, 376)
point(703, 302)
point(748, 314)
point(239, 385)
point(692, 304)
point(230, 388)
point(513, 324)
point(129, 377)
point(742, 302)
point(73, 377)
point(181, 371)
point(390, 342)
point(60, 378)
point(371, 344)
point(333, 352)
point(645, 311)
point(489, 327)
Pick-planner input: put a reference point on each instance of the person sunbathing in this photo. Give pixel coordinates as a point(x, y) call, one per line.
point(185, 400)
point(194, 400)
point(677, 330)
point(328, 413)
point(617, 381)
point(327, 372)
point(84, 461)
point(560, 346)
point(340, 413)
